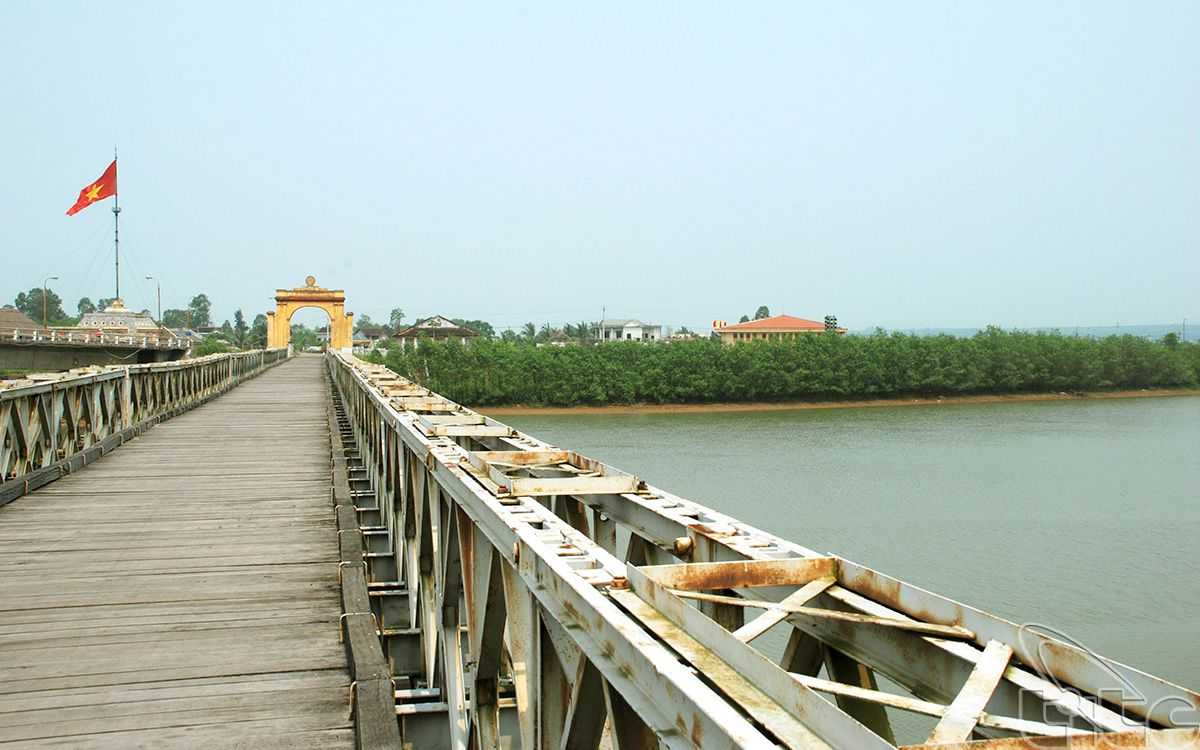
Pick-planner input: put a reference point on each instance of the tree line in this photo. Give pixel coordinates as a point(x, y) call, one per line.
point(822, 366)
point(238, 333)
point(198, 313)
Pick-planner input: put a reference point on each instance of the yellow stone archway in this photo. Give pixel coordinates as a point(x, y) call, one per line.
point(332, 301)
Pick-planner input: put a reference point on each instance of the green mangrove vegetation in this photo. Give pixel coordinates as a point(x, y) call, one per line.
point(495, 372)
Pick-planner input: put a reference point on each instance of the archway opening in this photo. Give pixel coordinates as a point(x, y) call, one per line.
point(332, 302)
point(309, 329)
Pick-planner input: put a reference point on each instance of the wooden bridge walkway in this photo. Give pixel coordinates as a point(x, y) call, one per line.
point(183, 591)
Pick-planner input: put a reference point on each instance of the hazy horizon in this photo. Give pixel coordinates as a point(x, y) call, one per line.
point(938, 166)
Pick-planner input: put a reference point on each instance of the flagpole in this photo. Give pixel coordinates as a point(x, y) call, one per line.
point(116, 209)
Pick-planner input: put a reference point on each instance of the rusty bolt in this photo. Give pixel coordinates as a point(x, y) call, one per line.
point(682, 547)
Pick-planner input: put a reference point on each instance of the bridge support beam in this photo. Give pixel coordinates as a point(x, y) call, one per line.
point(505, 545)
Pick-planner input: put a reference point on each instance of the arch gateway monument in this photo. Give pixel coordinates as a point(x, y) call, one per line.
point(332, 301)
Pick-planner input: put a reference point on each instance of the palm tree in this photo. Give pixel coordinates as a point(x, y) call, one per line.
point(529, 331)
point(584, 332)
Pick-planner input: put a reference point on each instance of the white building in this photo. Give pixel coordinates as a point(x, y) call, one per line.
point(117, 318)
point(437, 328)
point(628, 329)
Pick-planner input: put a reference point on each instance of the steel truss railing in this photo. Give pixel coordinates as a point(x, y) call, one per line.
point(605, 609)
point(51, 424)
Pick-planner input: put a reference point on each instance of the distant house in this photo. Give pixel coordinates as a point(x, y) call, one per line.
point(186, 333)
point(13, 319)
point(558, 338)
point(437, 328)
point(628, 329)
point(369, 338)
point(372, 334)
point(777, 327)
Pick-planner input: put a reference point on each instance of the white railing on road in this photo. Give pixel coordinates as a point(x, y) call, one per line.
point(93, 337)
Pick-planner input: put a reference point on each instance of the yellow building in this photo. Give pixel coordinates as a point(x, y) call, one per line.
point(332, 301)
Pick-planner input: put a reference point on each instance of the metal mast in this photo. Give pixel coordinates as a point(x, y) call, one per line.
point(116, 209)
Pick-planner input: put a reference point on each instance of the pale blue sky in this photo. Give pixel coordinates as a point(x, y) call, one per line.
point(896, 164)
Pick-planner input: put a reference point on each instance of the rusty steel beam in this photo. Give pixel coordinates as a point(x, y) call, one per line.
point(506, 547)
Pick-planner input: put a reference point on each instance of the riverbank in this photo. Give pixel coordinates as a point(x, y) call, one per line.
point(499, 411)
point(811, 369)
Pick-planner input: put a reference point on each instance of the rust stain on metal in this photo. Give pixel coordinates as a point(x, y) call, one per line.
point(887, 591)
point(741, 574)
point(1169, 739)
point(708, 531)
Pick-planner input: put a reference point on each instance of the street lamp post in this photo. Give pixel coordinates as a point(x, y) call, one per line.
point(158, 288)
point(47, 280)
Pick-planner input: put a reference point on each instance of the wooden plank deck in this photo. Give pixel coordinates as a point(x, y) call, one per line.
point(182, 591)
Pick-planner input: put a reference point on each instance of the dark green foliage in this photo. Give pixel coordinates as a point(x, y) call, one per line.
point(363, 321)
point(210, 345)
point(174, 318)
point(30, 303)
point(482, 327)
point(304, 337)
point(811, 367)
point(257, 338)
point(200, 310)
point(240, 329)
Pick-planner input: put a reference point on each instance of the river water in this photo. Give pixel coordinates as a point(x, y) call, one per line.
point(1083, 515)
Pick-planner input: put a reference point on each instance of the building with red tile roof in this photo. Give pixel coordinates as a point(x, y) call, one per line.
point(776, 327)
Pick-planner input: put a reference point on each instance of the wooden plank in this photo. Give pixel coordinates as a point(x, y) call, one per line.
point(375, 715)
point(183, 591)
point(964, 711)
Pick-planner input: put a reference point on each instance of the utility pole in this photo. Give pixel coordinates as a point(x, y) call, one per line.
point(158, 287)
point(47, 280)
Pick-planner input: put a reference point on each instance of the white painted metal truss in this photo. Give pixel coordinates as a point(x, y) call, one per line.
point(518, 599)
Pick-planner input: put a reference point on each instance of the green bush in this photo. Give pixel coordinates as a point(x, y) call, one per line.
point(211, 345)
point(492, 372)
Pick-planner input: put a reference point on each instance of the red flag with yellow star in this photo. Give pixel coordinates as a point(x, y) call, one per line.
point(99, 190)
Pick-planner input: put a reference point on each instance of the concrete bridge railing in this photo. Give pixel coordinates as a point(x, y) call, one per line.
point(85, 337)
point(53, 424)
